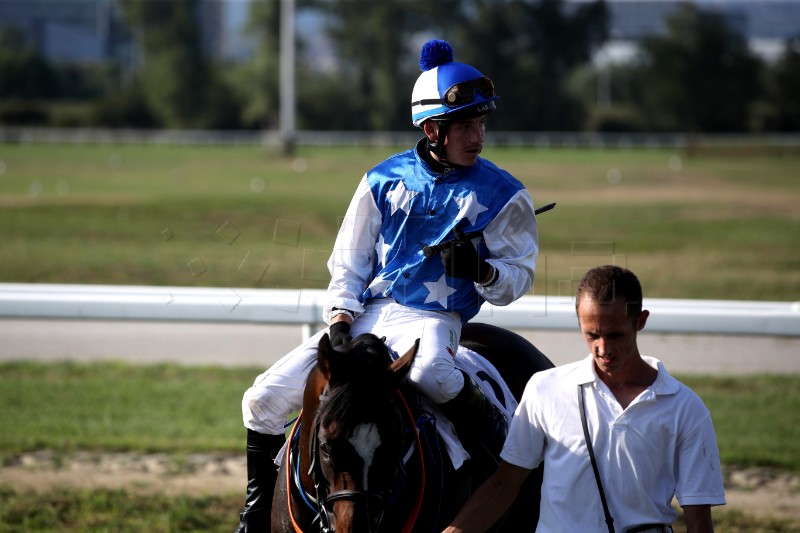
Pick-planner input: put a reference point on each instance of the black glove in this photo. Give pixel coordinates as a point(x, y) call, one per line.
point(461, 260)
point(339, 333)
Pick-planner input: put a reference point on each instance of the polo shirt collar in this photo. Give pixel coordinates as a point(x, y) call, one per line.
point(663, 385)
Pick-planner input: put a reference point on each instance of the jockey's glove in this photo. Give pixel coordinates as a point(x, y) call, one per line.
point(339, 333)
point(461, 260)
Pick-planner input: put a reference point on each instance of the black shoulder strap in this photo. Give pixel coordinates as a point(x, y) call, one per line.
point(609, 520)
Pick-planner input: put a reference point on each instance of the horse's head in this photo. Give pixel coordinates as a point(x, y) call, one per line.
point(359, 440)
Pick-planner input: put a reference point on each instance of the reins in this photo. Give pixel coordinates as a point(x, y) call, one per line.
point(412, 519)
point(295, 427)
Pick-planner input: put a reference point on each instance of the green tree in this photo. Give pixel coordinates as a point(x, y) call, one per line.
point(700, 76)
point(377, 46)
point(530, 49)
point(256, 82)
point(783, 89)
point(527, 48)
point(371, 59)
point(179, 83)
point(24, 72)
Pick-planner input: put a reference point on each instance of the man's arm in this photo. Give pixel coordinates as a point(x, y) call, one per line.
point(698, 519)
point(492, 499)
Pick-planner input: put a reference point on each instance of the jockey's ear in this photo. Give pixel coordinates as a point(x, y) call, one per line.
point(402, 366)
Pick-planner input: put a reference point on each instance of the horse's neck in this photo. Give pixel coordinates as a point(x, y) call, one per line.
point(315, 387)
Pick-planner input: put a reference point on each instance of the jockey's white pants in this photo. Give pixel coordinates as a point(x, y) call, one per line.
point(278, 392)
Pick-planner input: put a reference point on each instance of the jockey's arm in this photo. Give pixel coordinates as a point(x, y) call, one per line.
point(492, 499)
point(350, 263)
point(513, 242)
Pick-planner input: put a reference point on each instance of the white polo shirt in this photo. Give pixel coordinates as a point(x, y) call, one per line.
point(662, 445)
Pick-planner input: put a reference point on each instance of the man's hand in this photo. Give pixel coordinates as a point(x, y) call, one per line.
point(461, 260)
point(340, 333)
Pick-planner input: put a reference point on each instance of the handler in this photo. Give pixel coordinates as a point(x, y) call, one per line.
point(382, 282)
point(651, 436)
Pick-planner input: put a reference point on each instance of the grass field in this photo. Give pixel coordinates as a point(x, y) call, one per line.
point(108, 511)
point(691, 225)
point(167, 408)
point(699, 225)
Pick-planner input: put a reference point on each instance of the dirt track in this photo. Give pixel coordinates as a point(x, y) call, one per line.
point(754, 491)
point(261, 345)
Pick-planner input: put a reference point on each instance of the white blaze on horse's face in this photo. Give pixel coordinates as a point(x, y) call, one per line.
point(366, 441)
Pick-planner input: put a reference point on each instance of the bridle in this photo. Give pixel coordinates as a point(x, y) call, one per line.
point(322, 501)
point(325, 498)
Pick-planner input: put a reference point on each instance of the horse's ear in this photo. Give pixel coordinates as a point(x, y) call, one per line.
point(324, 351)
point(401, 366)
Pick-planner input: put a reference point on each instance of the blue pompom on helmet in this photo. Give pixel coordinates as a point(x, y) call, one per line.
point(447, 89)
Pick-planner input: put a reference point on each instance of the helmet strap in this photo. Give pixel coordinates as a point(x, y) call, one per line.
point(437, 147)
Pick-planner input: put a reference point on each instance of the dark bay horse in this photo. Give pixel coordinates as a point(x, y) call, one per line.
point(361, 457)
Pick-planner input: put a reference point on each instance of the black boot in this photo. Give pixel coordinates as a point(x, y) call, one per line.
point(479, 423)
point(261, 476)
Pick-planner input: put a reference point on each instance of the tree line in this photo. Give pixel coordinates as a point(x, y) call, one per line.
point(698, 76)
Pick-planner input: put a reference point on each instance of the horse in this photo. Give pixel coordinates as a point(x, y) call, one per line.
point(361, 457)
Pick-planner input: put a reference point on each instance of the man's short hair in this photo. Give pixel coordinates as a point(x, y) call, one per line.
point(605, 284)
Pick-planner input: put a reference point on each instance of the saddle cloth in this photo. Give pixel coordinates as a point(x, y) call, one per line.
point(485, 375)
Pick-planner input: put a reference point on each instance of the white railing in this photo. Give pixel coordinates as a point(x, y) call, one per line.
point(538, 139)
point(303, 307)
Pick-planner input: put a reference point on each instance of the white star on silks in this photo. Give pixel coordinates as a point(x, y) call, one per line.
point(400, 198)
point(379, 286)
point(439, 291)
point(381, 248)
point(469, 207)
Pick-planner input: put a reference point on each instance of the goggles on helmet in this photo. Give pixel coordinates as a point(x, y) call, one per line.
point(463, 93)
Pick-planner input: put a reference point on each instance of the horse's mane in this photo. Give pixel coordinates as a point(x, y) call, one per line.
point(359, 382)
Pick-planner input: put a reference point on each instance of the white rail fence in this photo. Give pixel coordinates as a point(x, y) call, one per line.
point(303, 307)
point(538, 139)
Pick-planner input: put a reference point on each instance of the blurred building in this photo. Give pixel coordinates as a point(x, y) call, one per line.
point(69, 31)
point(95, 30)
point(766, 24)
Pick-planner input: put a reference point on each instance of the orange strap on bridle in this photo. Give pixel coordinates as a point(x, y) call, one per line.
point(296, 526)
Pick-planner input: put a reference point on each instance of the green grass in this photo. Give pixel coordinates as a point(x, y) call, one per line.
point(107, 511)
point(110, 511)
point(691, 225)
point(168, 408)
point(119, 407)
point(755, 417)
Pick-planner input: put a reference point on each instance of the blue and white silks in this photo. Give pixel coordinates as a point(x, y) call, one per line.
point(402, 205)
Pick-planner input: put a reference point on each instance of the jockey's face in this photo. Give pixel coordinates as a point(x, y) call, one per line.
point(464, 140)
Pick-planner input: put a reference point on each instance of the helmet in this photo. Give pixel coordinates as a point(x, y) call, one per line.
point(447, 89)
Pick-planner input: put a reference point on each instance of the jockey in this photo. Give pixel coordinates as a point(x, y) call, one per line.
point(439, 191)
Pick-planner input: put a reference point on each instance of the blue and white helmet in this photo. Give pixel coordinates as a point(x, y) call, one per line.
point(447, 89)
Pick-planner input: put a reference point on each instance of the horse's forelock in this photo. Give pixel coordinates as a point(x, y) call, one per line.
point(365, 359)
point(359, 382)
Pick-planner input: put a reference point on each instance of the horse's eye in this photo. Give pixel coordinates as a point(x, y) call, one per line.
point(324, 448)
